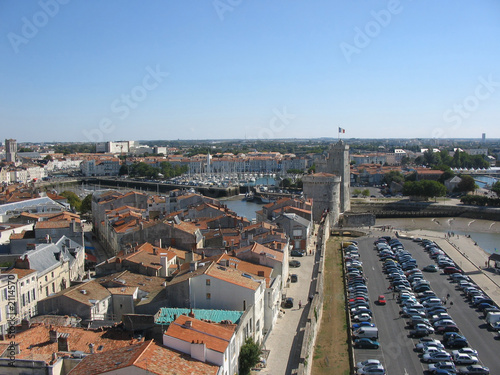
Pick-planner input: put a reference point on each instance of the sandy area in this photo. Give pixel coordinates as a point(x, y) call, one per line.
point(443, 224)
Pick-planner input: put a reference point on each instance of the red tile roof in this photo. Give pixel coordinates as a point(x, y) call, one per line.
point(215, 336)
point(149, 356)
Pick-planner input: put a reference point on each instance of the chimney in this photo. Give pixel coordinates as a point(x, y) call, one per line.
point(193, 266)
point(188, 324)
point(191, 314)
point(53, 335)
point(91, 348)
point(62, 343)
point(25, 324)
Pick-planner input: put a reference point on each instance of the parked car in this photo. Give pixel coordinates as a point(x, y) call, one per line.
point(436, 357)
point(372, 370)
point(430, 268)
point(465, 359)
point(368, 362)
point(364, 317)
point(366, 343)
point(474, 369)
point(297, 253)
point(294, 263)
point(446, 366)
point(288, 302)
point(294, 277)
point(465, 350)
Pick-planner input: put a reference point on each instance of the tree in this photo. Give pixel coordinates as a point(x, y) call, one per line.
point(356, 192)
point(467, 184)
point(365, 193)
point(395, 176)
point(48, 157)
point(86, 205)
point(285, 183)
point(249, 356)
point(496, 188)
point(73, 199)
point(312, 169)
point(424, 188)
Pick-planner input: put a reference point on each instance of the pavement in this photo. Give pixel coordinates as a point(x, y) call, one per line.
point(467, 255)
point(283, 343)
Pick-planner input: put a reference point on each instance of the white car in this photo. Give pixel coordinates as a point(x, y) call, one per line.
point(465, 359)
point(464, 351)
point(426, 341)
point(364, 317)
point(437, 357)
point(425, 348)
point(368, 362)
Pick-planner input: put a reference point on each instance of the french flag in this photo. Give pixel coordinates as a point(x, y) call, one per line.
point(341, 130)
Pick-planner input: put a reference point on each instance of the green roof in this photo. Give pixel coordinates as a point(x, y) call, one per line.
point(167, 315)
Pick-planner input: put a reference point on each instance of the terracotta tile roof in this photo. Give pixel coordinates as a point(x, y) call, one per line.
point(126, 278)
point(234, 276)
point(47, 224)
point(35, 342)
point(187, 227)
point(215, 336)
point(20, 272)
point(25, 234)
point(149, 356)
point(256, 270)
point(323, 174)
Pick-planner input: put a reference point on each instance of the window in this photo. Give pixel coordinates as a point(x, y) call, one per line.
point(46, 278)
point(257, 326)
point(53, 287)
point(207, 281)
point(52, 274)
point(33, 294)
point(209, 295)
point(47, 290)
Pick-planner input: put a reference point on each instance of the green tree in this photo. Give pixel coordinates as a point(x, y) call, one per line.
point(312, 169)
point(356, 192)
point(249, 356)
point(286, 183)
point(496, 188)
point(86, 205)
point(73, 199)
point(395, 176)
point(365, 193)
point(467, 184)
point(48, 157)
point(424, 188)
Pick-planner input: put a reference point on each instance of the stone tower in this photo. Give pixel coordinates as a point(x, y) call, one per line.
point(10, 150)
point(338, 164)
point(324, 189)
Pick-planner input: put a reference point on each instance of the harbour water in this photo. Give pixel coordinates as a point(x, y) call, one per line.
point(482, 181)
point(242, 207)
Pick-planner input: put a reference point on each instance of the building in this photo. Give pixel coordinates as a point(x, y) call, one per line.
point(142, 359)
point(324, 190)
point(205, 342)
point(297, 229)
point(338, 164)
point(10, 150)
point(26, 292)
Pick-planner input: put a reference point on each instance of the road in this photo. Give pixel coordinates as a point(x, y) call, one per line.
point(396, 348)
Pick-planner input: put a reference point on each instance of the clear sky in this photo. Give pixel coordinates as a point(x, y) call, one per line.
point(193, 69)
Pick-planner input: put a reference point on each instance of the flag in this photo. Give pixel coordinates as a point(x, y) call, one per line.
point(341, 130)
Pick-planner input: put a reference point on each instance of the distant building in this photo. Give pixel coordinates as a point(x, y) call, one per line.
point(10, 150)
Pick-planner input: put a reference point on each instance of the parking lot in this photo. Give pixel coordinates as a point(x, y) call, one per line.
point(397, 350)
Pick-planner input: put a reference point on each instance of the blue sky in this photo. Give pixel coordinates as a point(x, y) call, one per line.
point(217, 69)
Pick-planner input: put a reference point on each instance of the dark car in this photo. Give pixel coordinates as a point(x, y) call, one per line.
point(294, 263)
point(419, 333)
point(458, 342)
point(288, 303)
point(430, 268)
point(474, 369)
point(366, 343)
point(297, 253)
point(294, 278)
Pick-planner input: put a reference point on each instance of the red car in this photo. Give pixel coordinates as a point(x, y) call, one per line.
point(451, 270)
point(381, 300)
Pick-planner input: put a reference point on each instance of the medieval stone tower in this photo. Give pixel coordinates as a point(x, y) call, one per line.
point(337, 163)
point(324, 189)
point(330, 187)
